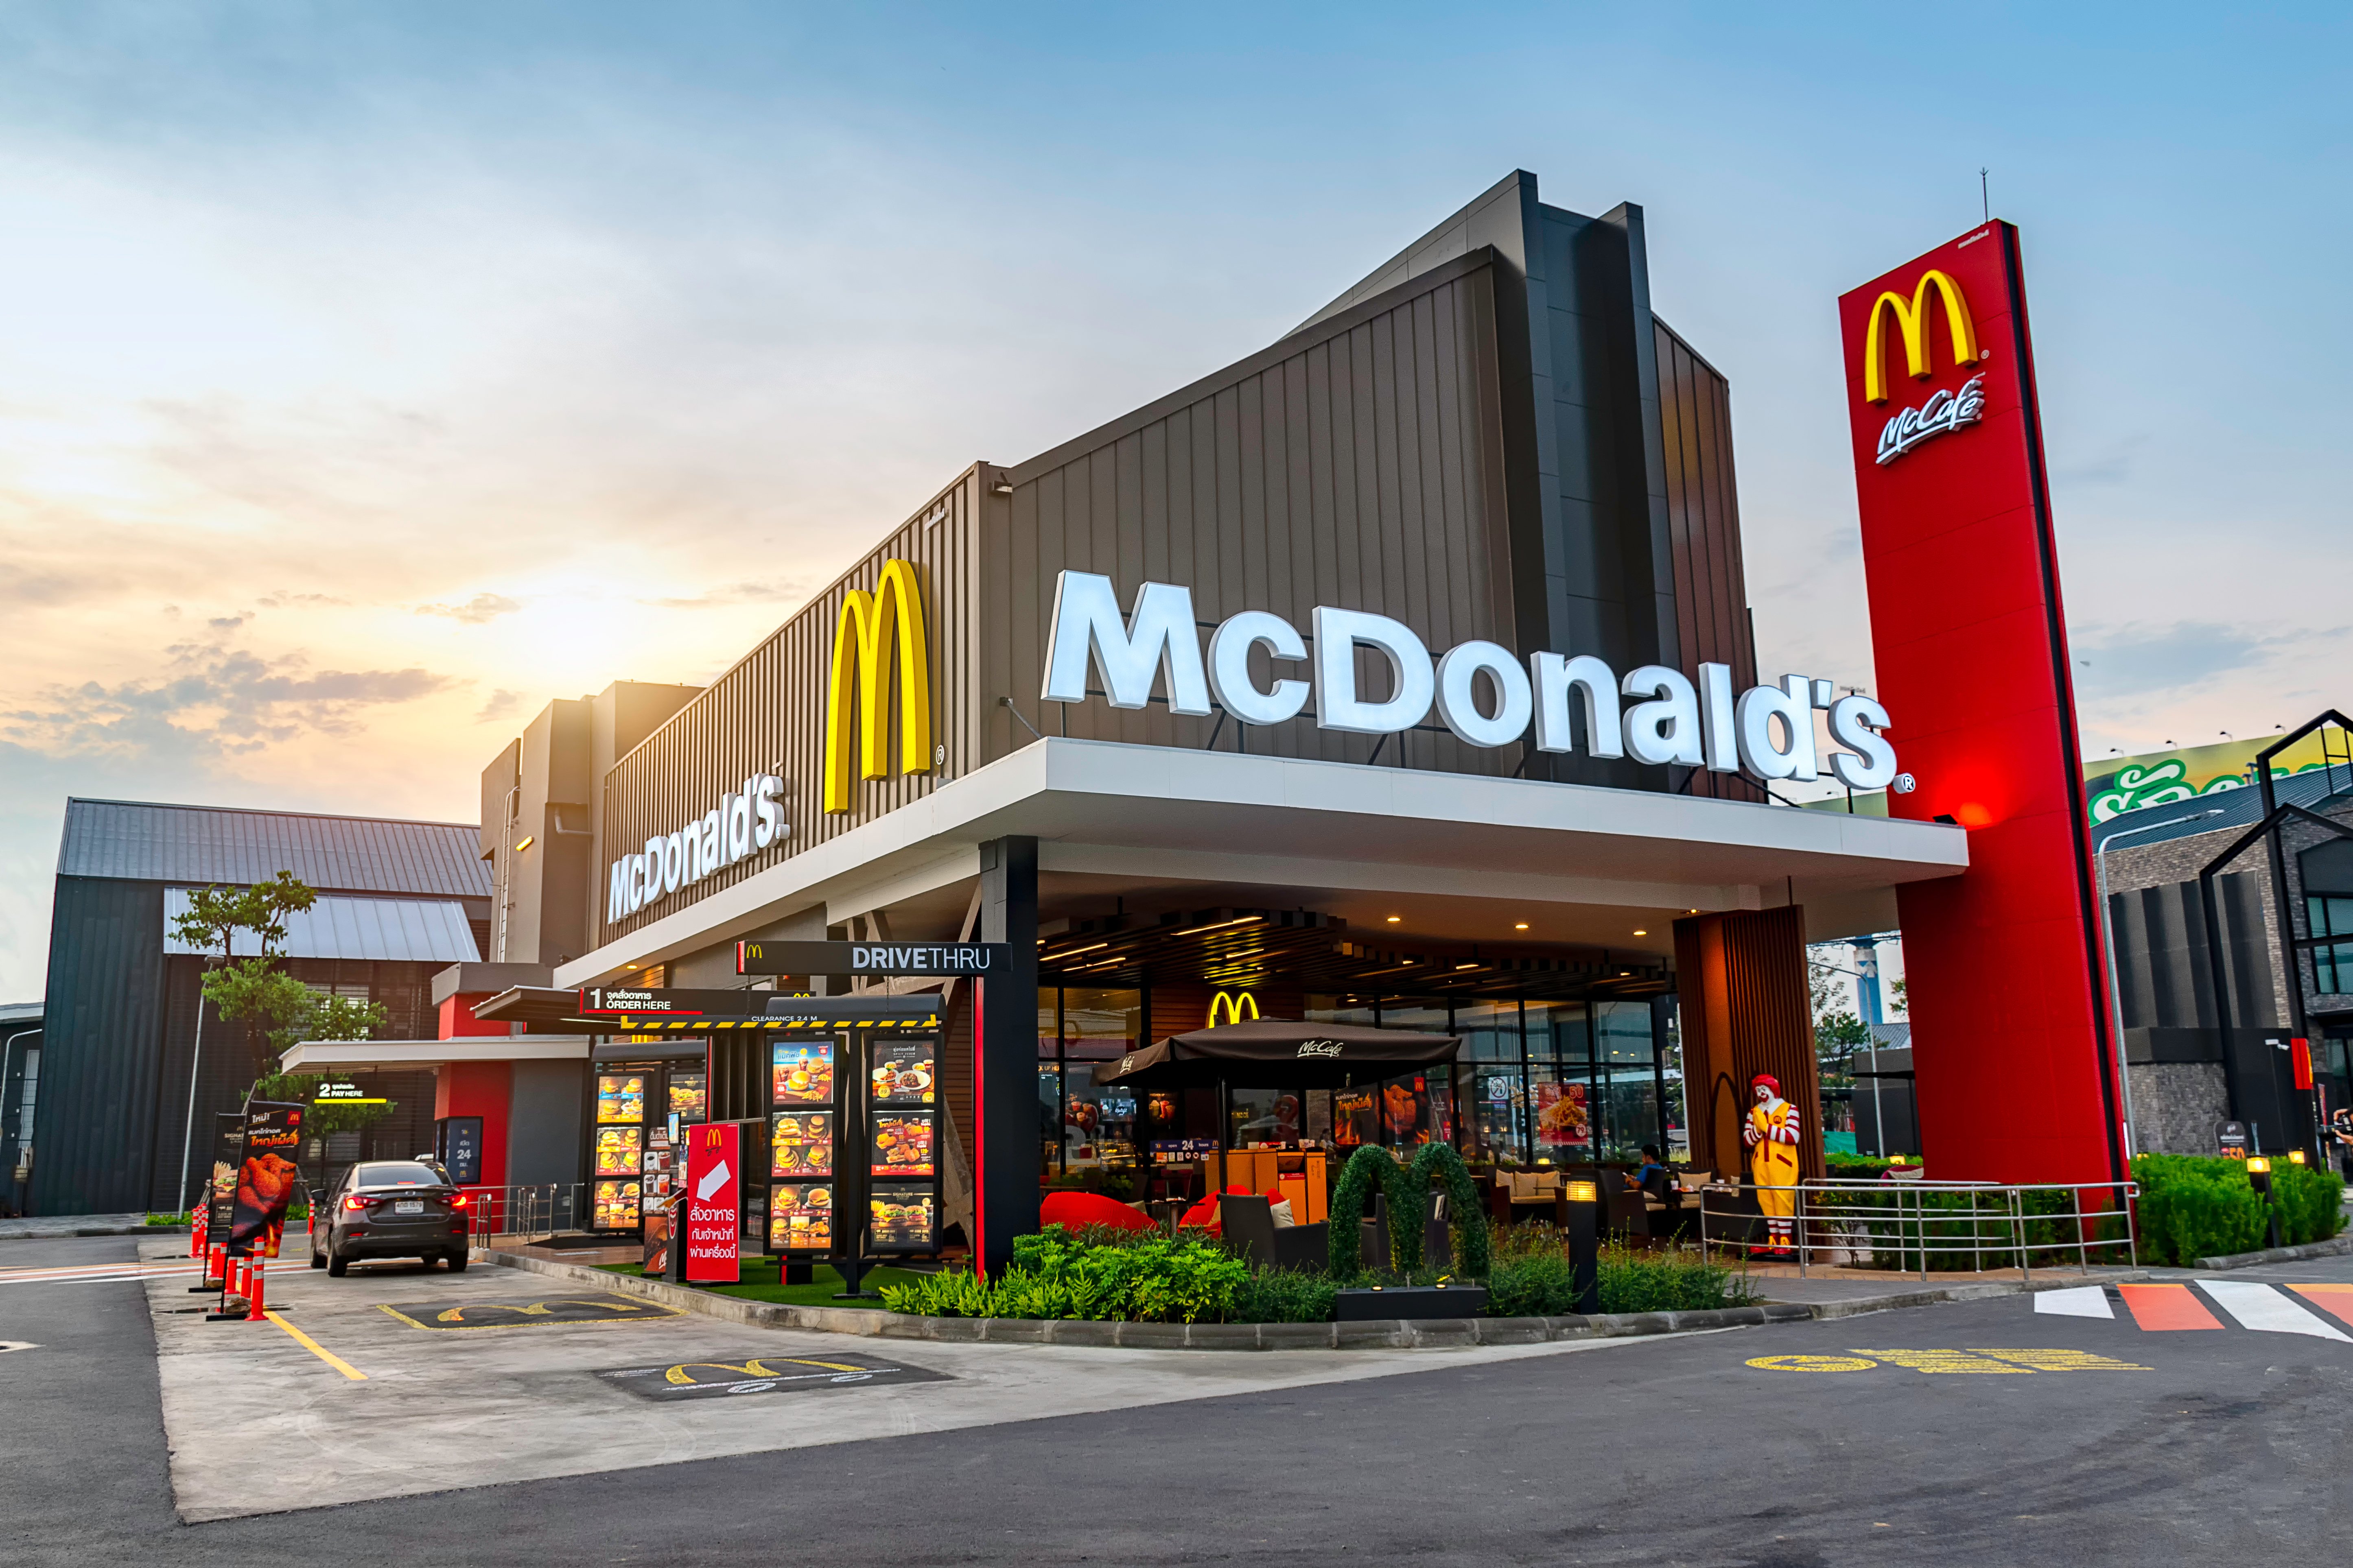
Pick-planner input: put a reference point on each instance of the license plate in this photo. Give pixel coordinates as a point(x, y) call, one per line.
point(410, 1205)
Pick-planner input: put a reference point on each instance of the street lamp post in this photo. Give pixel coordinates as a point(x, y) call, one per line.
point(2108, 940)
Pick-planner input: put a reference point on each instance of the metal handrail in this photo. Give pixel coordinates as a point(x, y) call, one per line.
point(1859, 1216)
point(534, 1211)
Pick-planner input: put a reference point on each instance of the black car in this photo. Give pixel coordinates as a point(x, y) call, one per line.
point(391, 1208)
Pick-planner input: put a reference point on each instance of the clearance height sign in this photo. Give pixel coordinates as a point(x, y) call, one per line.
point(1969, 634)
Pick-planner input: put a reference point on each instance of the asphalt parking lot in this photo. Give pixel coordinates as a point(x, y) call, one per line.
point(1973, 1434)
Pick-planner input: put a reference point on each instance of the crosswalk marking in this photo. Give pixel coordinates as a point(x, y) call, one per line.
point(2336, 1300)
point(2264, 1310)
point(2076, 1302)
point(85, 1273)
point(2167, 1307)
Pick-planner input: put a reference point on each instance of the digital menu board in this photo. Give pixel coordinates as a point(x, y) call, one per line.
point(620, 1097)
point(618, 1151)
point(689, 1096)
point(800, 1144)
point(800, 1217)
point(902, 1143)
point(904, 1072)
point(903, 1219)
point(802, 1073)
point(616, 1206)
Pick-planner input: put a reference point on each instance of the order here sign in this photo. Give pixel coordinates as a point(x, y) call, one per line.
point(714, 1168)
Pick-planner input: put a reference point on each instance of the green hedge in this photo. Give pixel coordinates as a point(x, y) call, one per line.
point(1407, 1188)
point(1056, 1274)
point(2196, 1206)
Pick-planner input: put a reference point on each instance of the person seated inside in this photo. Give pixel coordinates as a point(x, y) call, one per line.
point(1642, 1174)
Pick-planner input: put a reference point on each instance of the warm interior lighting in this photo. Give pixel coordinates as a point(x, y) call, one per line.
point(525, 842)
point(1642, 934)
point(1217, 925)
point(2257, 1165)
point(1580, 1192)
point(1522, 926)
point(1074, 951)
point(628, 966)
point(1394, 919)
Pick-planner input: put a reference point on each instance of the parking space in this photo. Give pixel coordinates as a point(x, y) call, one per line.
point(395, 1381)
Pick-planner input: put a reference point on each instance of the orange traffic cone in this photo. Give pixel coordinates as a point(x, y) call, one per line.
point(254, 1310)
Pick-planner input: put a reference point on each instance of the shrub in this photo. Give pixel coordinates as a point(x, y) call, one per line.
point(1283, 1296)
point(2311, 1203)
point(1533, 1279)
point(1407, 1187)
point(1137, 1278)
point(2193, 1207)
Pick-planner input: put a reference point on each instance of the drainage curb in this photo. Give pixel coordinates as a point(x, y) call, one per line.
point(2337, 1247)
point(1436, 1334)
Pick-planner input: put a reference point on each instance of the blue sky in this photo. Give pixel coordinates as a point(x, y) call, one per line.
point(371, 374)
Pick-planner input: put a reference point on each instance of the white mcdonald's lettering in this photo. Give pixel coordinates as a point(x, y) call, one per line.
point(1486, 694)
point(917, 959)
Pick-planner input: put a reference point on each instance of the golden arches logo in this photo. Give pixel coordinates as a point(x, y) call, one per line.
point(871, 627)
point(1234, 1005)
point(1912, 321)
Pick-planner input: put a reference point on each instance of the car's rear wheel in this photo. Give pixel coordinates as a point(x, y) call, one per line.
point(338, 1267)
point(458, 1261)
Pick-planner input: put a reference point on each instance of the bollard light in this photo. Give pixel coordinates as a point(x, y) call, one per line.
point(1585, 1243)
point(2258, 1165)
point(2295, 1156)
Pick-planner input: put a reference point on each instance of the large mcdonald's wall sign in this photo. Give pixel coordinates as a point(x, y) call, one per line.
point(872, 628)
point(1969, 637)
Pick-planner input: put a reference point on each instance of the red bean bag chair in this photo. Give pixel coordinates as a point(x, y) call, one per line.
point(1078, 1209)
point(1203, 1215)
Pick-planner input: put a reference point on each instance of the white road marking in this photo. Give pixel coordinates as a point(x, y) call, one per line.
point(79, 1273)
point(2075, 1301)
point(2266, 1308)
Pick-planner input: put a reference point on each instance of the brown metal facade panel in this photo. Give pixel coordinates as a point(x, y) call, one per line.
point(1704, 527)
point(767, 714)
point(1746, 1010)
point(1351, 466)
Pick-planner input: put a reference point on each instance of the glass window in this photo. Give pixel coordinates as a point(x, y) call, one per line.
point(1336, 1009)
point(1621, 1031)
point(1558, 1031)
point(1415, 1013)
point(397, 1174)
point(1489, 1031)
point(1495, 1119)
point(1560, 1113)
point(2332, 965)
point(1050, 1080)
point(1098, 1027)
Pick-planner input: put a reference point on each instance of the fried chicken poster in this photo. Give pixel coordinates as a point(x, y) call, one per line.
point(265, 1180)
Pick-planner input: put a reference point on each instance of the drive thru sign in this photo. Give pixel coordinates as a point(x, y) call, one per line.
point(713, 1167)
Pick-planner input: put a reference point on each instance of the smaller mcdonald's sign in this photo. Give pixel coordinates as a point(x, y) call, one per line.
point(1232, 1007)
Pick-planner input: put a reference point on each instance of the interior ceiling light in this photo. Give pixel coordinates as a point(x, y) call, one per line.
point(1642, 934)
point(1394, 919)
point(1522, 926)
point(1217, 925)
point(1074, 951)
point(1460, 966)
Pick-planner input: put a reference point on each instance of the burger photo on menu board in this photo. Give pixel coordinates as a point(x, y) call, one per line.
point(800, 1144)
point(800, 1218)
point(902, 1219)
point(802, 1072)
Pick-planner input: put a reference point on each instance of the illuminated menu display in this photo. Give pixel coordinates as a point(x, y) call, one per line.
point(616, 1206)
point(800, 1144)
point(620, 1097)
point(800, 1217)
point(618, 1151)
point(904, 1072)
point(903, 1144)
point(903, 1219)
point(689, 1096)
point(802, 1073)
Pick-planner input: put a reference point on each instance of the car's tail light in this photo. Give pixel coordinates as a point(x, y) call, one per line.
point(459, 1202)
point(356, 1202)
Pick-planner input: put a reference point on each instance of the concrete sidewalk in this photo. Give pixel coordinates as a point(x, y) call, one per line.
point(50, 1227)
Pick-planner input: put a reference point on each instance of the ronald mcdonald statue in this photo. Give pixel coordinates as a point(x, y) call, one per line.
point(1772, 1133)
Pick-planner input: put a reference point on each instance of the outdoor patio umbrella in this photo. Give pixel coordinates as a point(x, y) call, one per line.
point(1278, 1053)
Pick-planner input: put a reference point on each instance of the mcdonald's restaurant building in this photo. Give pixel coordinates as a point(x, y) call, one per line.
point(1400, 673)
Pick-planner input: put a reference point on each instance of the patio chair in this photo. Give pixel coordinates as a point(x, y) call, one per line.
point(1248, 1224)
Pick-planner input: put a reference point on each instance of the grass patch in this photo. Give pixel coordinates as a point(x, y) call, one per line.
point(762, 1282)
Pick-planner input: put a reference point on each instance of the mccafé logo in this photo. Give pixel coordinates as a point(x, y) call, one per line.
point(1767, 731)
point(1946, 411)
point(1319, 1047)
point(871, 627)
point(1231, 1004)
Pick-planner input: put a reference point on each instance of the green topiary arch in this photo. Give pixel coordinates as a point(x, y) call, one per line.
point(1407, 1188)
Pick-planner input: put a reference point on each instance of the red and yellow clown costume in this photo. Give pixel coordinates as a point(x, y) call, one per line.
point(1772, 1135)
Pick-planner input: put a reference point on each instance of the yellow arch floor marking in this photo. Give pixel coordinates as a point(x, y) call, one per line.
point(1811, 1363)
point(316, 1349)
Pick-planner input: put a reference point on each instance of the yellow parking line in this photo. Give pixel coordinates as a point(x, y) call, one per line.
point(307, 1343)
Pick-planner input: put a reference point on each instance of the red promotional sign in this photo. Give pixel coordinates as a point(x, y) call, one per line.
point(2301, 1058)
point(714, 1176)
point(1970, 638)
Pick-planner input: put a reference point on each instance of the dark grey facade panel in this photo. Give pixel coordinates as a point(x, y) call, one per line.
point(197, 846)
point(2163, 974)
point(94, 1124)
